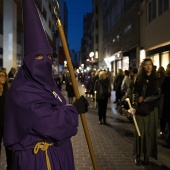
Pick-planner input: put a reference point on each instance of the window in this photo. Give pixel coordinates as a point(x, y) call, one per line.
point(165, 59)
point(160, 7)
point(163, 5)
point(153, 9)
point(152, 5)
point(49, 24)
point(96, 38)
point(166, 5)
point(44, 13)
point(149, 12)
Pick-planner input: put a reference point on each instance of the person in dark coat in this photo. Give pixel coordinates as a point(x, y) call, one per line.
point(3, 92)
point(161, 75)
point(165, 88)
point(91, 82)
point(103, 89)
point(146, 90)
point(117, 85)
point(11, 75)
point(38, 122)
point(69, 89)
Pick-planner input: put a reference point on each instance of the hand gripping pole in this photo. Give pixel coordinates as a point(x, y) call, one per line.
point(134, 118)
point(75, 87)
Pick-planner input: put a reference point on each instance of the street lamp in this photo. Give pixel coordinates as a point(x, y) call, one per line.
point(91, 55)
point(65, 64)
point(82, 65)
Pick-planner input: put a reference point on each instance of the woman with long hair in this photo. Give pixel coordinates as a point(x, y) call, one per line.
point(146, 92)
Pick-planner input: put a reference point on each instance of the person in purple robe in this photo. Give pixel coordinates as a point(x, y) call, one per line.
point(38, 121)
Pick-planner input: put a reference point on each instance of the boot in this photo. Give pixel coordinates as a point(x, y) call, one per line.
point(138, 160)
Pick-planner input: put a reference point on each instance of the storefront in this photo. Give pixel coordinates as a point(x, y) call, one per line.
point(160, 56)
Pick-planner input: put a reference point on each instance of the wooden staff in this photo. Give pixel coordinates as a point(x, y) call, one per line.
point(134, 118)
point(75, 87)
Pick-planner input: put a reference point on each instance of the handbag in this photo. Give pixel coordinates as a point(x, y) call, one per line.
point(143, 109)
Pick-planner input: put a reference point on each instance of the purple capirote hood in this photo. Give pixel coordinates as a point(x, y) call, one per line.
point(33, 93)
point(36, 43)
point(34, 34)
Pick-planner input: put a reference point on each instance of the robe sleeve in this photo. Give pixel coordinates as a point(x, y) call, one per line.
point(60, 124)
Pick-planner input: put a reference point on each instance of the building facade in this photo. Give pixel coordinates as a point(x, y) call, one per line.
point(126, 32)
point(155, 34)
point(121, 33)
point(87, 41)
point(97, 35)
point(11, 30)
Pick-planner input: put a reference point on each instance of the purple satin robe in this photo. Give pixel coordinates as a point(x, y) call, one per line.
point(36, 111)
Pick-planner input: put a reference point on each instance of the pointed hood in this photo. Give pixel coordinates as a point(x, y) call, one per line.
point(36, 43)
point(33, 91)
point(34, 35)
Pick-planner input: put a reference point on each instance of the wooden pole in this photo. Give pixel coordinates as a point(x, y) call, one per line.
point(134, 118)
point(75, 87)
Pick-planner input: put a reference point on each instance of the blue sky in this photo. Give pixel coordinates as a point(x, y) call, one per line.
point(76, 11)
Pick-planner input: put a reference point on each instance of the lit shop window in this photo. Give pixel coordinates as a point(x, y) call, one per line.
point(165, 59)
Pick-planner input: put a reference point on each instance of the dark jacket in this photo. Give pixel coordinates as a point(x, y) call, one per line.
point(2, 107)
point(151, 93)
point(102, 87)
point(165, 88)
point(118, 82)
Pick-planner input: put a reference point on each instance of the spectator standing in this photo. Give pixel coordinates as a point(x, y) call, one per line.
point(146, 91)
point(58, 81)
point(161, 75)
point(117, 85)
point(69, 89)
point(11, 75)
point(91, 85)
point(3, 92)
point(166, 106)
point(125, 82)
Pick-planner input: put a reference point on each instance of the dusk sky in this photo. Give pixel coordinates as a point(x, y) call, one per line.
point(76, 11)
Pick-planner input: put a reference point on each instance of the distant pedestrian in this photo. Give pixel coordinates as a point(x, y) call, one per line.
point(102, 87)
point(69, 89)
point(117, 85)
point(11, 75)
point(58, 81)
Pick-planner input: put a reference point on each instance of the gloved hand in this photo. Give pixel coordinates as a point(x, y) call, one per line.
point(81, 104)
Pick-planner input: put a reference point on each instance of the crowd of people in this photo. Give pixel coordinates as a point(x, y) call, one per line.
point(148, 90)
